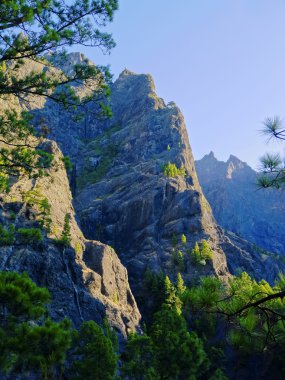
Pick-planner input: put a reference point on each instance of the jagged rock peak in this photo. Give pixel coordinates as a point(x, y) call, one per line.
point(126, 72)
point(258, 216)
point(144, 80)
point(210, 157)
point(236, 161)
point(67, 62)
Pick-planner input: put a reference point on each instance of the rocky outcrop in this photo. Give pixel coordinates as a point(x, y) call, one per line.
point(87, 281)
point(257, 215)
point(123, 198)
point(121, 195)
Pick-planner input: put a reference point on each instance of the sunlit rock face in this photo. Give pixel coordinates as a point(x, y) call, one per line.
point(257, 215)
point(86, 280)
point(122, 198)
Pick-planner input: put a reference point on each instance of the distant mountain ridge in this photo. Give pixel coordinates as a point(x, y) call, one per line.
point(257, 215)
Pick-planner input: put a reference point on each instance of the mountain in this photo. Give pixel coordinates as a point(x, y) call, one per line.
point(257, 215)
point(123, 199)
point(126, 214)
point(87, 281)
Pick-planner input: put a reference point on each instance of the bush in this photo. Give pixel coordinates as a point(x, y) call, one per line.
point(67, 163)
point(201, 254)
point(78, 248)
point(7, 235)
point(65, 238)
point(171, 170)
point(178, 260)
point(12, 216)
point(30, 235)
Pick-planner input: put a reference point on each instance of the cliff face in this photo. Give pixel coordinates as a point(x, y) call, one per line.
point(122, 199)
point(257, 215)
point(87, 281)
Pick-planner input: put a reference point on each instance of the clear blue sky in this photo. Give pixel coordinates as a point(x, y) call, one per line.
point(221, 61)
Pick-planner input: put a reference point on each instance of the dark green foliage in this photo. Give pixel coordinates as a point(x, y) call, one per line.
point(251, 306)
point(139, 360)
point(179, 354)
point(272, 173)
point(111, 334)
point(171, 170)
point(41, 348)
point(106, 156)
point(12, 216)
point(67, 163)
point(169, 351)
point(34, 198)
point(178, 260)
point(174, 241)
point(48, 25)
point(7, 235)
point(31, 343)
point(171, 298)
point(28, 342)
point(20, 298)
point(218, 375)
point(65, 238)
point(95, 358)
point(31, 236)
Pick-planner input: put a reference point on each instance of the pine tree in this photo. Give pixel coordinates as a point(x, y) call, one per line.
point(29, 341)
point(139, 358)
point(171, 300)
point(46, 26)
point(94, 354)
point(179, 354)
point(180, 285)
point(65, 238)
point(183, 239)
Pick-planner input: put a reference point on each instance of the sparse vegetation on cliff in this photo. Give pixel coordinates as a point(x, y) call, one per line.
point(171, 170)
point(201, 253)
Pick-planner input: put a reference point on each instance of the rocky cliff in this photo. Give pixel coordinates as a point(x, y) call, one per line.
point(87, 280)
point(124, 200)
point(257, 215)
point(122, 197)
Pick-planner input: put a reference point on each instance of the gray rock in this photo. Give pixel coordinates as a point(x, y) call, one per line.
point(257, 215)
point(87, 281)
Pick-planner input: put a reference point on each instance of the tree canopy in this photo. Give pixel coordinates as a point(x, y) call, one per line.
point(39, 32)
point(272, 166)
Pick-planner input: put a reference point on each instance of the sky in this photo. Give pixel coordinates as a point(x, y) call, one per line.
point(221, 61)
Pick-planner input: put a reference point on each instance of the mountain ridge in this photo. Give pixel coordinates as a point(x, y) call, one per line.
point(239, 205)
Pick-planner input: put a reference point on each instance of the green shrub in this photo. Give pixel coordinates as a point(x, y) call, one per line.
point(30, 235)
point(78, 248)
point(174, 241)
point(67, 163)
point(7, 235)
point(178, 260)
point(171, 170)
point(201, 254)
point(183, 239)
point(12, 216)
point(65, 238)
point(34, 198)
